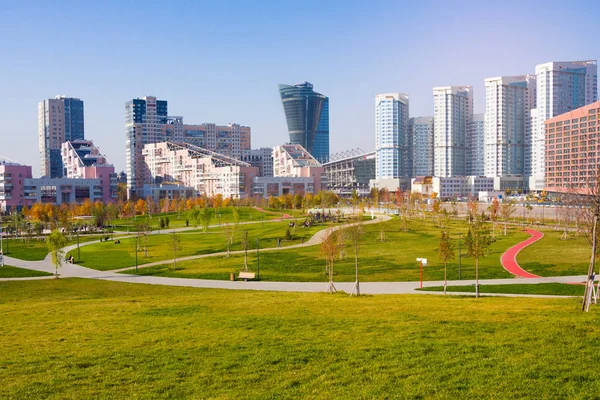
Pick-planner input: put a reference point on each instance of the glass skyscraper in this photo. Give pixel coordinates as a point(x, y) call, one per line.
point(307, 115)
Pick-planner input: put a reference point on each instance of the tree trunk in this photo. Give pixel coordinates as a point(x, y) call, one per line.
point(477, 277)
point(445, 276)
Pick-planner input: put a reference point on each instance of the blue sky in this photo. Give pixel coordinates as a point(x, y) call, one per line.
point(221, 61)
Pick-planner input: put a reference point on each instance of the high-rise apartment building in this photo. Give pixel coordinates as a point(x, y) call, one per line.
point(475, 159)
point(421, 132)
point(59, 120)
point(572, 151)
point(508, 104)
point(146, 121)
point(393, 142)
point(229, 140)
point(307, 116)
point(561, 87)
point(452, 113)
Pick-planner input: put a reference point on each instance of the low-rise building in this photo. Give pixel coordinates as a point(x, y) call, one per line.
point(83, 160)
point(12, 177)
point(350, 171)
point(461, 186)
point(266, 186)
point(169, 191)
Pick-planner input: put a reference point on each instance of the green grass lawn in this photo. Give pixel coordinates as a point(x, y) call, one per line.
point(108, 255)
point(8, 271)
point(551, 256)
point(392, 260)
point(177, 220)
point(32, 250)
point(74, 338)
point(558, 289)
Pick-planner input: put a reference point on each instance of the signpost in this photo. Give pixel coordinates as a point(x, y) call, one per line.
point(422, 263)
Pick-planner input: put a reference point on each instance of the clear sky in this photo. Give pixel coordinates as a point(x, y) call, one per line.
point(221, 61)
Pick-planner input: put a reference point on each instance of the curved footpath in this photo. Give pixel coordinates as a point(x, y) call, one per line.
point(509, 258)
point(77, 271)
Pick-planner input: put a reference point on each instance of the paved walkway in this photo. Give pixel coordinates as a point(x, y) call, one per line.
point(77, 271)
point(509, 258)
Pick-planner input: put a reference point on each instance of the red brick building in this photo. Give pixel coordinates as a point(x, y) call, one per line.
point(572, 150)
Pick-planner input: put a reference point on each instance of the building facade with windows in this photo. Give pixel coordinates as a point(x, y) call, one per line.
point(475, 159)
point(452, 114)
point(421, 132)
point(59, 120)
point(146, 121)
point(81, 159)
point(229, 140)
point(261, 158)
point(561, 87)
point(393, 142)
point(209, 173)
point(508, 104)
point(307, 116)
point(573, 151)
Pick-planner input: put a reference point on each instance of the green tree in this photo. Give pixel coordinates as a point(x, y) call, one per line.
point(354, 234)
point(205, 218)
point(446, 253)
point(330, 247)
point(245, 245)
point(56, 241)
point(175, 245)
point(478, 242)
point(507, 209)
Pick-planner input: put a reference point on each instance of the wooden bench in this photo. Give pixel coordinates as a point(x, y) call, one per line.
point(246, 275)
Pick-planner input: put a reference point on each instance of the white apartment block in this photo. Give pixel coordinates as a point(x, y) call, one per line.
point(508, 103)
point(452, 113)
point(461, 186)
point(393, 143)
point(421, 131)
point(209, 173)
point(146, 121)
point(229, 140)
point(561, 87)
point(261, 158)
point(475, 160)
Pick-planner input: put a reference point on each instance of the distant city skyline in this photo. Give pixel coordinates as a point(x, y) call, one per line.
point(257, 46)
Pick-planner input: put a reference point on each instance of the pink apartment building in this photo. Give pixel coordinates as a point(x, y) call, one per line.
point(12, 184)
point(573, 150)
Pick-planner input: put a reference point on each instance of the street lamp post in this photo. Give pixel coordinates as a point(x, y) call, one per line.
point(137, 240)
point(422, 262)
point(459, 255)
point(257, 258)
point(78, 253)
point(1, 248)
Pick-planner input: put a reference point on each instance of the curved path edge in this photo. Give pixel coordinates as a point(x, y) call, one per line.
point(509, 257)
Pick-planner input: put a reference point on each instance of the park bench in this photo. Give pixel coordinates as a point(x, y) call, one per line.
point(246, 275)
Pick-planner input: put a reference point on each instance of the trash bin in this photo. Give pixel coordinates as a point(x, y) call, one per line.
point(232, 277)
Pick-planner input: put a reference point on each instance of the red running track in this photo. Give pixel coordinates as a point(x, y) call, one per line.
point(509, 258)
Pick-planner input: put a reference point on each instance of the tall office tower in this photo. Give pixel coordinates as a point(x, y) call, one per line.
point(393, 143)
point(307, 115)
point(146, 121)
point(561, 87)
point(508, 104)
point(452, 113)
point(228, 140)
point(475, 148)
point(59, 120)
point(421, 131)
